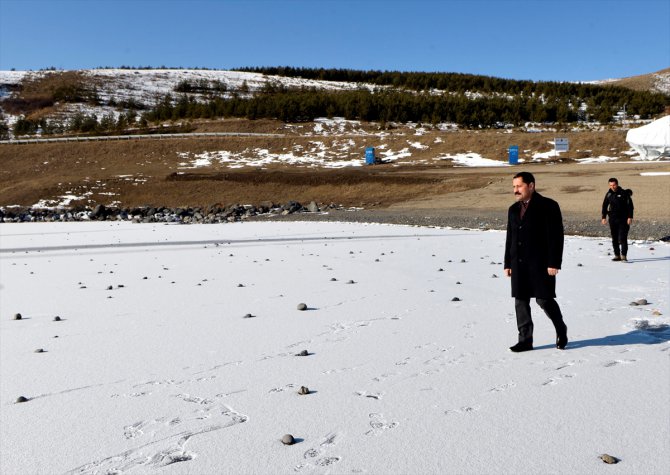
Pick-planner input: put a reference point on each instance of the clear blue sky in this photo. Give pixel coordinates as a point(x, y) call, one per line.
point(552, 40)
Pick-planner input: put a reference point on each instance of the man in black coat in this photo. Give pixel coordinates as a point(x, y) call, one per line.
point(618, 204)
point(533, 256)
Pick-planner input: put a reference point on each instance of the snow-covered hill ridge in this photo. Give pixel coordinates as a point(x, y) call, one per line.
point(653, 82)
point(145, 84)
point(146, 87)
point(112, 92)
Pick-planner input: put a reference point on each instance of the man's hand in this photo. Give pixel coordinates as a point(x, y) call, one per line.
point(552, 271)
point(629, 220)
point(508, 272)
point(604, 221)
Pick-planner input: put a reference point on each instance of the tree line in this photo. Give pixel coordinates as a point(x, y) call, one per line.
point(393, 105)
point(78, 123)
point(453, 82)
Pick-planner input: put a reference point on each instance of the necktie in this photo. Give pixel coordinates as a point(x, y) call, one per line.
point(524, 207)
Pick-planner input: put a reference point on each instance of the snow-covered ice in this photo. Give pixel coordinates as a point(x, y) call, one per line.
point(154, 369)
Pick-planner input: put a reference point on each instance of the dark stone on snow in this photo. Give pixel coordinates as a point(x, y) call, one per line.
point(609, 459)
point(303, 390)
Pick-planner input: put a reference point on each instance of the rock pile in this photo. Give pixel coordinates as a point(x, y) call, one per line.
point(150, 214)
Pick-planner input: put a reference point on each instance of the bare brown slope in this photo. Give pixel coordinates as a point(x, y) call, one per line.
point(139, 172)
point(149, 172)
point(643, 82)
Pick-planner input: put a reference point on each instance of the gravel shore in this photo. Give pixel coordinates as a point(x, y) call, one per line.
point(479, 219)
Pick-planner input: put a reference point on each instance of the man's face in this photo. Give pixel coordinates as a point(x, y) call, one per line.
point(522, 191)
point(613, 186)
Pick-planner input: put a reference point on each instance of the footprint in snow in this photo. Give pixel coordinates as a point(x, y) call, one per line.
point(379, 424)
point(313, 456)
point(556, 379)
point(503, 387)
point(168, 444)
point(462, 410)
point(567, 364)
point(369, 395)
point(610, 364)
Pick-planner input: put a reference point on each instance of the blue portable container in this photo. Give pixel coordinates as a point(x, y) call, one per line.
point(369, 155)
point(513, 153)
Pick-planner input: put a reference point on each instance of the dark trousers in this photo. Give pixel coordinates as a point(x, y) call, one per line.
point(619, 231)
point(524, 321)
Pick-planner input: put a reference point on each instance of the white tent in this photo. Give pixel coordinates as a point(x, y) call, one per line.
point(651, 141)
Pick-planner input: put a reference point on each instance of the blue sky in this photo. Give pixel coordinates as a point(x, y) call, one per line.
point(544, 40)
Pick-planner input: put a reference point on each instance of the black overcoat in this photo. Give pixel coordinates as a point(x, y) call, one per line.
point(534, 244)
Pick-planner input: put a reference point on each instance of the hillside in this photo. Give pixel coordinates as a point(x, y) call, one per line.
point(113, 101)
point(654, 82)
point(104, 92)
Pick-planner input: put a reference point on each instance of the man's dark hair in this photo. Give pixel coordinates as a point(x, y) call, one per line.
point(613, 180)
point(526, 177)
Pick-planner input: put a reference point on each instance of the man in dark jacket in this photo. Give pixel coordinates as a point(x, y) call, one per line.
point(533, 256)
point(618, 204)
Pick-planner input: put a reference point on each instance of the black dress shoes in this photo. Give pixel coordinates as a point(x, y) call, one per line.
point(561, 341)
point(521, 346)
